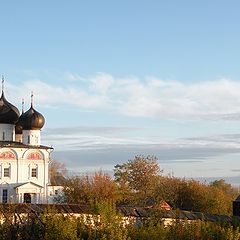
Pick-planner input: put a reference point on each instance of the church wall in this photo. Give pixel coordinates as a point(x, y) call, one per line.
point(25, 165)
point(7, 132)
point(31, 137)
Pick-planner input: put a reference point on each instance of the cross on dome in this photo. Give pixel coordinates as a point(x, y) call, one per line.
point(22, 105)
point(2, 83)
point(32, 99)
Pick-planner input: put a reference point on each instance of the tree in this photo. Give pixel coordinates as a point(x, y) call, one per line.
point(192, 195)
point(139, 176)
point(76, 190)
point(57, 173)
point(226, 187)
point(90, 189)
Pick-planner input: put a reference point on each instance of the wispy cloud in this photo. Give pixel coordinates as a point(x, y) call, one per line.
point(149, 97)
point(86, 148)
point(97, 138)
point(58, 96)
point(182, 160)
point(85, 137)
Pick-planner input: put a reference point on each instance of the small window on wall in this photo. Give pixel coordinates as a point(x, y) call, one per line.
point(3, 136)
point(4, 195)
point(34, 172)
point(6, 172)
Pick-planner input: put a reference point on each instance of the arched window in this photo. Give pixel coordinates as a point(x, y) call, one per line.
point(6, 171)
point(34, 172)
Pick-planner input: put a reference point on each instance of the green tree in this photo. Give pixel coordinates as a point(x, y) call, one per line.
point(192, 195)
point(138, 177)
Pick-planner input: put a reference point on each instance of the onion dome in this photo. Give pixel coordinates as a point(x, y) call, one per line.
point(18, 125)
point(31, 120)
point(8, 113)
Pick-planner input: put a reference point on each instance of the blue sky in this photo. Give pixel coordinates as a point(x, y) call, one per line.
point(120, 78)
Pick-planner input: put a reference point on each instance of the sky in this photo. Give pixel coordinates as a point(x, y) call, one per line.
point(115, 79)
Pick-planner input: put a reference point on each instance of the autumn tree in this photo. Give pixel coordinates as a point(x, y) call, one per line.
point(90, 189)
point(192, 195)
point(225, 187)
point(139, 182)
point(138, 176)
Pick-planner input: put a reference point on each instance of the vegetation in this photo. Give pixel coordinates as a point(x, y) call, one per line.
point(139, 182)
point(111, 227)
point(138, 179)
point(90, 190)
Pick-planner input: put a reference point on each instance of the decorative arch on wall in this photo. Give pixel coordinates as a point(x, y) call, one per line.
point(34, 155)
point(7, 154)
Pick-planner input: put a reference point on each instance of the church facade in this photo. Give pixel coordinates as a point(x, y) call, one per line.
point(24, 161)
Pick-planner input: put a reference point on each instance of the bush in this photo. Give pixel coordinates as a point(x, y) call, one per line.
point(108, 225)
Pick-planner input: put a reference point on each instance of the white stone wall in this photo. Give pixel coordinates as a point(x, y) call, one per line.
point(55, 194)
point(31, 137)
point(7, 132)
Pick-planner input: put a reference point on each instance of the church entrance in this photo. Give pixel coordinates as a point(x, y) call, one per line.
point(27, 198)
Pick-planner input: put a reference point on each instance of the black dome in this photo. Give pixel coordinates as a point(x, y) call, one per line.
point(31, 120)
point(8, 113)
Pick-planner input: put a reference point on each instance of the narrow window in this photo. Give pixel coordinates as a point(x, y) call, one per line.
point(28, 139)
point(6, 172)
point(34, 172)
point(3, 136)
point(4, 195)
point(56, 192)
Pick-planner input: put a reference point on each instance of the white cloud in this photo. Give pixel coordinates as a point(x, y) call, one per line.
point(101, 83)
point(57, 96)
point(149, 97)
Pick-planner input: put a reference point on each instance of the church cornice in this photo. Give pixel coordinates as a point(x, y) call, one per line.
point(12, 144)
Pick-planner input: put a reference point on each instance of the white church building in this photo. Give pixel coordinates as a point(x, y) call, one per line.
point(24, 161)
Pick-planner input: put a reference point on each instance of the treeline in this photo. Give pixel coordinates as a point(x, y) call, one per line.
point(140, 182)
